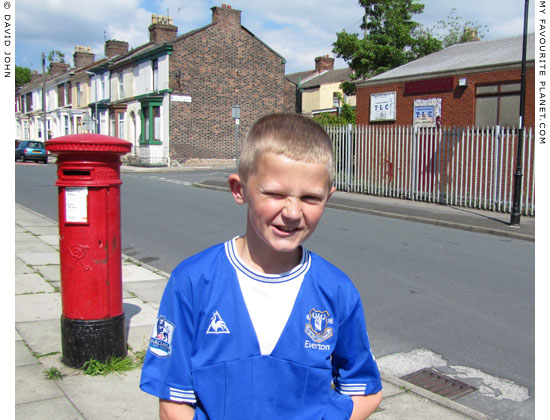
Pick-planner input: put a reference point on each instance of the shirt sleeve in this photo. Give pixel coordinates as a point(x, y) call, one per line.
point(355, 370)
point(166, 371)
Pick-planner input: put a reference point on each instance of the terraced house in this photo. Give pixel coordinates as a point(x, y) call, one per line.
point(173, 96)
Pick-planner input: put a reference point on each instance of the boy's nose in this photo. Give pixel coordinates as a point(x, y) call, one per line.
point(292, 210)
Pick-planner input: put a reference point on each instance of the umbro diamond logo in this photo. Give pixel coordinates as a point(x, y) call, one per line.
point(217, 325)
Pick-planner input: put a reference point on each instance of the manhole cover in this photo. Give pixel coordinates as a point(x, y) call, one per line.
point(439, 384)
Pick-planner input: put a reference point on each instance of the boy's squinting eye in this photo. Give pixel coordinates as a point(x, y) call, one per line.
point(312, 198)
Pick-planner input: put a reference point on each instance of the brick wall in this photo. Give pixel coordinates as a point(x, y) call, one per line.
point(220, 66)
point(458, 106)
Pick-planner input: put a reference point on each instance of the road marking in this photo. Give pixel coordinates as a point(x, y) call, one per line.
point(160, 178)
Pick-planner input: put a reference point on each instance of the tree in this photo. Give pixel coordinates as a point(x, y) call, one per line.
point(452, 31)
point(390, 39)
point(56, 57)
point(346, 115)
point(22, 76)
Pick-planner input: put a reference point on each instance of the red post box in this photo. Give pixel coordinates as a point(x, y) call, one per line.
point(88, 181)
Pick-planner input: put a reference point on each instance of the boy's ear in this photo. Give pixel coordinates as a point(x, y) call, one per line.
point(332, 189)
point(237, 188)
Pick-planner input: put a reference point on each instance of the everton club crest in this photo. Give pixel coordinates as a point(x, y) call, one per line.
point(318, 326)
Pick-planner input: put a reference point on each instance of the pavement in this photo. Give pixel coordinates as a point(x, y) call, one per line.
point(117, 395)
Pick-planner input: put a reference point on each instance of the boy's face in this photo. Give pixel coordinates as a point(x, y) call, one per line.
point(286, 199)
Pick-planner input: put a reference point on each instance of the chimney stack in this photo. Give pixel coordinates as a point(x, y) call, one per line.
point(324, 63)
point(82, 56)
point(226, 15)
point(58, 68)
point(35, 76)
point(162, 29)
point(114, 48)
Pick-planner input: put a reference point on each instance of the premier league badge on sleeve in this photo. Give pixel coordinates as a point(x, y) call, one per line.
point(161, 338)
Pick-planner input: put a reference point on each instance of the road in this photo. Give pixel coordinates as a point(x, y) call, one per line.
point(463, 296)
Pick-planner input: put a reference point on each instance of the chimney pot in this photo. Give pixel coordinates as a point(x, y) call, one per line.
point(162, 29)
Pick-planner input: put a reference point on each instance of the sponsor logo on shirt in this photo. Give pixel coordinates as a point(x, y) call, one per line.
point(217, 325)
point(161, 338)
point(318, 328)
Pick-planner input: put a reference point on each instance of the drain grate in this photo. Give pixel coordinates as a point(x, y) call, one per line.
point(439, 384)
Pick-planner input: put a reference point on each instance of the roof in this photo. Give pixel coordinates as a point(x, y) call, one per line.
point(313, 79)
point(462, 57)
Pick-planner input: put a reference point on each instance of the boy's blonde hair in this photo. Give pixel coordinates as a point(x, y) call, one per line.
point(292, 135)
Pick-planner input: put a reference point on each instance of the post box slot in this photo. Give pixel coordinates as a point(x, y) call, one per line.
point(76, 173)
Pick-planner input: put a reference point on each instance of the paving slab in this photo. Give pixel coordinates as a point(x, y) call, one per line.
point(39, 258)
point(31, 385)
point(43, 337)
point(138, 337)
point(49, 272)
point(53, 408)
point(21, 267)
point(31, 283)
point(410, 406)
point(137, 313)
point(32, 222)
point(23, 355)
point(52, 240)
point(23, 235)
point(37, 307)
point(115, 396)
point(148, 291)
point(36, 246)
point(44, 230)
point(132, 273)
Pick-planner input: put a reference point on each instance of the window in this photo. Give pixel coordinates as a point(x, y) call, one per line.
point(498, 104)
point(113, 125)
point(335, 100)
point(156, 123)
point(116, 121)
point(68, 99)
point(61, 95)
point(120, 125)
point(120, 77)
point(151, 123)
point(28, 103)
point(155, 75)
point(66, 118)
point(78, 125)
point(78, 94)
point(26, 133)
point(102, 93)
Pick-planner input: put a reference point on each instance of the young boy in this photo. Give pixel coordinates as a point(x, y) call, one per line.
point(259, 327)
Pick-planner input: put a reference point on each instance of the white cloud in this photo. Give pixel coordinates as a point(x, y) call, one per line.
point(299, 31)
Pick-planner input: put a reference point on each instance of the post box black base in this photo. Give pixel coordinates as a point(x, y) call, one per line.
point(82, 340)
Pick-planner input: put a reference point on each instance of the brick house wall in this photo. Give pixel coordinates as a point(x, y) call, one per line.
point(218, 66)
point(458, 105)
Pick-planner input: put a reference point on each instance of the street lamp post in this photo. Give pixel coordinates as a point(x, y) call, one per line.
point(518, 176)
point(44, 111)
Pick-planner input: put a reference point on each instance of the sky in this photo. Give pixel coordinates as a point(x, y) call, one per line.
point(297, 30)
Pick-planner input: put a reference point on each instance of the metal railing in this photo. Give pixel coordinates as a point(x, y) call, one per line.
point(460, 166)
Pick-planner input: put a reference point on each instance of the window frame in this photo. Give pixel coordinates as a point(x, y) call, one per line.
point(498, 93)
